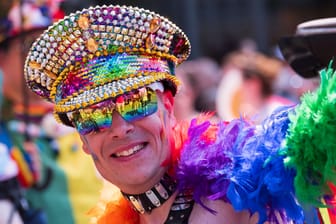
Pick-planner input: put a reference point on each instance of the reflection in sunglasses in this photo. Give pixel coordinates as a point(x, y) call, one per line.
point(131, 106)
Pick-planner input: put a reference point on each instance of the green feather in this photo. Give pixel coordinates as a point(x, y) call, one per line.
point(311, 141)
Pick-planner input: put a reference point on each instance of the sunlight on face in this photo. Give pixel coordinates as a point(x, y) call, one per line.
point(131, 154)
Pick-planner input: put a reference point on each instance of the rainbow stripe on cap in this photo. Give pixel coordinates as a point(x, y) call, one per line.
point(102, 52)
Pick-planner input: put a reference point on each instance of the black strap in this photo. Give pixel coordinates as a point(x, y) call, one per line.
point(181, 209)
point(154, 197)
point(11, 190)
point(160, 193)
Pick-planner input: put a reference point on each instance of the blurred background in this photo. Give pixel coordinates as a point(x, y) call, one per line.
point(215, 27)
point(219, 28)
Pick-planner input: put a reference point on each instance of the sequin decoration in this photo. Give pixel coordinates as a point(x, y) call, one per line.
point(83, 22)
point(154, 25)
point(92, 45)
point(131, 106)
point(102, 52)
point(111, 75)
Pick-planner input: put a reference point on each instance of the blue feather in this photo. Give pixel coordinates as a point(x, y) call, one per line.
point(244, 165)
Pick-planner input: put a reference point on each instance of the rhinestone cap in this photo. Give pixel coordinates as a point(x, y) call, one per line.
point(102, 52)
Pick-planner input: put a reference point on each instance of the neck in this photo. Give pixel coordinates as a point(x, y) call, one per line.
point(160, 214)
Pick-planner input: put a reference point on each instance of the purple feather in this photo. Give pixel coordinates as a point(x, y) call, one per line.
point(244, 165)
point(209, 164)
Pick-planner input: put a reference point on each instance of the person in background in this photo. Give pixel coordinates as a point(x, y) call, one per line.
point(48, 155)
point(113, 80)
point(18, 169)
point(199, 79)
point(247, 86)
point(289, 83)
point(8, 179)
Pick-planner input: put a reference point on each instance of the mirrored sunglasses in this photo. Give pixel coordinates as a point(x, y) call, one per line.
point(131, 106)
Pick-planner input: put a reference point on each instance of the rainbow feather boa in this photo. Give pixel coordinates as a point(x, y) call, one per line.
point(244, 165)
point(274, 168)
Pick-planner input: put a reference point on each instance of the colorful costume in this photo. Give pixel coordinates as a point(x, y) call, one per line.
point(63, 164)
point(272, 169)
point(108, 56)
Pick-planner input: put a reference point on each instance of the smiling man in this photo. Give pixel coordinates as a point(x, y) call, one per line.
point(109, 70)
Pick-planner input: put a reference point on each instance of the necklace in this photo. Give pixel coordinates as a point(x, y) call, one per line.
point(159, 194)
point(154, 197)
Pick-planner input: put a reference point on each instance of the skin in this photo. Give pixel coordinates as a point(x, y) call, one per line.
point(11, 63)
point(139, 172)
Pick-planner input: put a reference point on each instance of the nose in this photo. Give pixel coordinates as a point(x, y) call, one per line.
point(120, 128)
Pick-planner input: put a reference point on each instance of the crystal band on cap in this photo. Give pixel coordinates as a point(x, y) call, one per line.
point(106, 77)
point(101, 31)
point(103, 52)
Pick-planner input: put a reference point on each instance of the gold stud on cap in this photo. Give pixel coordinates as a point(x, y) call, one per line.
point(83, 22)
point(154, 25)
point(92, 45)
point(102, 52)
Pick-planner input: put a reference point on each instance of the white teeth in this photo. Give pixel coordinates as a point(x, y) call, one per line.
point(129, 151)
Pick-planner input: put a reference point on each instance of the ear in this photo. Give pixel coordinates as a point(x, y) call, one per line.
point(168, 101)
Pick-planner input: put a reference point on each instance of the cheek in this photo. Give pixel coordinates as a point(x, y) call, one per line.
point(105, 173)
point(157, 126)
point(163, 124)
point(166, 124)
point(90, 147)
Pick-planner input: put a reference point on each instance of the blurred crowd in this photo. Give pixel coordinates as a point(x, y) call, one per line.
point(45, 176)
point(247, 83)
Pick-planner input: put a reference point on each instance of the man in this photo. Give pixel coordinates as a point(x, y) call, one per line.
point(109, 70)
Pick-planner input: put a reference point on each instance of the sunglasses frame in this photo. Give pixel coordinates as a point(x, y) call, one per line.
point(107, 107)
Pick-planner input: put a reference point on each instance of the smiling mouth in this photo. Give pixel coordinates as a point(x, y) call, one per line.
point(129, 152)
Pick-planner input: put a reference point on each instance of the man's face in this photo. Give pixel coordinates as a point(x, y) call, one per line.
point(131, 154)
point(11, 63)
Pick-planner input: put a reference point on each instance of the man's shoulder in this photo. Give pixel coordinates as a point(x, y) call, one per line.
point(222, 213)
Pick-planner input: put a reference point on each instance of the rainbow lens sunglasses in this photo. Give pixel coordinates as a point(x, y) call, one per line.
point(131, 106)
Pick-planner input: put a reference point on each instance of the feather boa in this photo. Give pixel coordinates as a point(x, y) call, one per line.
point(270, 169)
point(255, 167)
point(112, 208)
point(311, 141)
point(243, 166)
